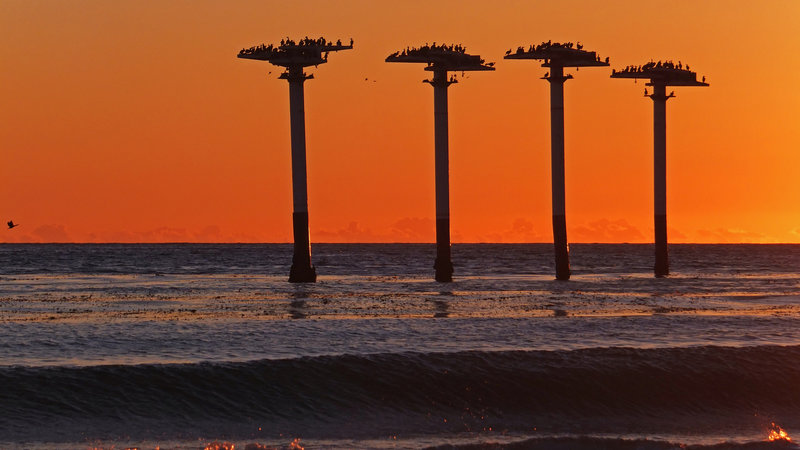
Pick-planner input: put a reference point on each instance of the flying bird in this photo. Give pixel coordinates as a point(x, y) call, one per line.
point(11, 224)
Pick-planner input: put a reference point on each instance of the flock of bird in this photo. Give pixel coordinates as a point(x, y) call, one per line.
point(427, 49)
point(454, 52)
point(315, 44)
point(547, 46)
point(657, 66)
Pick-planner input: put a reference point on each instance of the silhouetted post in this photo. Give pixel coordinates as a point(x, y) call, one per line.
point(556, 56)
point(294, 56)
point(440, 60)
point(302, 270)
point(557, 80)
point(660, 75)
point(659, 98)
point(443, 264)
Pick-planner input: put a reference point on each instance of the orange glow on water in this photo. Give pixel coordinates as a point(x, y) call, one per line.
point(220, 446)
point(776, 433)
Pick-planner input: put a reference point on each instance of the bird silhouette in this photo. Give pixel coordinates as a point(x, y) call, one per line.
point(11, 224)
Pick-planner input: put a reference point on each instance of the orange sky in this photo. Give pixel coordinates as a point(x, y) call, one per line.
point(129, 121)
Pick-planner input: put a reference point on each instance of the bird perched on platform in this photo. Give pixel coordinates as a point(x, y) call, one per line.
point(11, 224)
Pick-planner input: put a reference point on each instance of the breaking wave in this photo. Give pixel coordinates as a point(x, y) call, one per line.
point(601, 390)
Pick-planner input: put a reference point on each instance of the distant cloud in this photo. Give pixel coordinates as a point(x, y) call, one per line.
point(521, 231)
point(352, 233)
point(16, 237)
point(674, 233)
point(51, 233)
point(117, 237)
point(211, 233)
point(408, 229)
point(605, 230)
point(165, 234)
point(730, 236)
point(414, 229)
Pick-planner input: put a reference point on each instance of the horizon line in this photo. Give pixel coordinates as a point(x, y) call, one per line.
point(385, 243)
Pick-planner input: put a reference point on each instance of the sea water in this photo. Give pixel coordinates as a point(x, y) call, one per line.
point(193, 345)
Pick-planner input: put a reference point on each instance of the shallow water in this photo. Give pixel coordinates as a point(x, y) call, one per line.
point(184, 345)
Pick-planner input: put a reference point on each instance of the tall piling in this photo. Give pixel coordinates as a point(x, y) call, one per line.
point(659, 98)
point(660, 75)
point(556, 56)
point(441, 59)
point(294, 56)
point(301, 271)
point(557, 171)
point(443, 265)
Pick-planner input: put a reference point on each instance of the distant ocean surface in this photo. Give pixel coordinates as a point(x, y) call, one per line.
point(208, 346)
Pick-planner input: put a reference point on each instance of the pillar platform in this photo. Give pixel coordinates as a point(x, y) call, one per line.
point(660, 75)
point(557, 56)
point(441, 59)
point(294, 56)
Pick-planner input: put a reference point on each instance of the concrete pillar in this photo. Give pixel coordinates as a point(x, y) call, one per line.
point(557, 80)
point(660, 177)
point(302, 271)
point(443, 264)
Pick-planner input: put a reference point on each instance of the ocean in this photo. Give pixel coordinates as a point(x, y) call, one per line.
point(194, 346)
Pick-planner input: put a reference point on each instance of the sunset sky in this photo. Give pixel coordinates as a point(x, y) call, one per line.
point(130, 121)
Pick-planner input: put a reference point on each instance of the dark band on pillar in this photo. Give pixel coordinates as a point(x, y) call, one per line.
point(662, 252)
point(561, 247)
point(443, 264)
point(302, 271)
